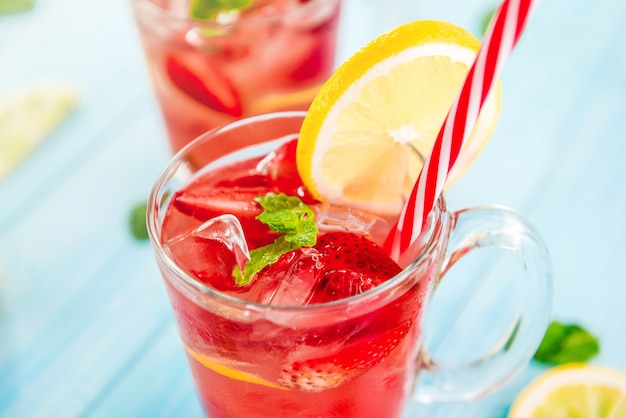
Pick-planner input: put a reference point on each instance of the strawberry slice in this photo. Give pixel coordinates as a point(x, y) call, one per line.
point(250, 181)
point(353, 265)
point(319, 61)
point(316, 375)
point(219, 96)
point(206, 203)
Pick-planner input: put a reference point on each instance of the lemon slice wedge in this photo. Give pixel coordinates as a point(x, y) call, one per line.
point(27, 116)
point(221, 368)
point(573, 390)
point(368, 130)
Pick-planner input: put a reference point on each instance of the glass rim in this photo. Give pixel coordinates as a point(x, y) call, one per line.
point(435, 231)
point(154, 10)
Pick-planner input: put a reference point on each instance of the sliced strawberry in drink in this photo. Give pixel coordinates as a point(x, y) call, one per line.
point(316, 375)
point(204, 204)
point(212, 90)
point(209, 202)
point(313, 376)
point(250, 181)
point(341, 284)
point(345, 250)
point(318, 63)
point(353, 265)
point(240, 173)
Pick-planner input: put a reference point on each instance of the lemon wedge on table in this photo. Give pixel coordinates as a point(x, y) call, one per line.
point(27, 116)
point(361, 141)
point(576, 391)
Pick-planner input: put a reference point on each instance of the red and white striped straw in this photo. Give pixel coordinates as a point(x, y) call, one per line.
point(501, 37)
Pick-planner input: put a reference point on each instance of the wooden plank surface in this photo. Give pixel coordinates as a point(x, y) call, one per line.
point(85, 326)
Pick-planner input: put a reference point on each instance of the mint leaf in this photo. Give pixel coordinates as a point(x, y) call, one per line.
point(208, 10)
point(11, 6)
point(262, 257)
point(566, 343)
point(137, 222)
point(290, 216)
point(287, 215)
point(487, 19)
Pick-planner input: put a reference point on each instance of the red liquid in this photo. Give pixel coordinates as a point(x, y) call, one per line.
point(336, 362)
point(207, 76)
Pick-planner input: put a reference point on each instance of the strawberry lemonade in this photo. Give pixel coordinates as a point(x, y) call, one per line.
point(269, 234)
point(279, 297)
point(214, 62)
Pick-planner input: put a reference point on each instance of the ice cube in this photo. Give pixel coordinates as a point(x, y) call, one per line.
point(280, 162)
point(310, 16)
point(178, 8)
point(274, 54)
point(227, 230)
point(331, 217)
point(207, 38)
point(210, 252)
point(290, 281)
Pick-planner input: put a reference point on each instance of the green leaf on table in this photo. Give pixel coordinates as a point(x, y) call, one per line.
point(12, 6)
point(487, 19)
point(208, 10)
point(566, 343)
point(287, 215)
point(137, 222)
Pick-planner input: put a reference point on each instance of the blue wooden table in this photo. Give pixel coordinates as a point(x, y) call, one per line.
point(85, 325)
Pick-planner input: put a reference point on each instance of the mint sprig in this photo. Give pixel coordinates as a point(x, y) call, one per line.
point(566, 343)
point(208, 10)
point(137, 221)
point(287, 215)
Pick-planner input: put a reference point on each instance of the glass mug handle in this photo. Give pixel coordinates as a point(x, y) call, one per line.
point(472, 229)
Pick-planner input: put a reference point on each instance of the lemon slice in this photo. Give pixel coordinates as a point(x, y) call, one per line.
point(361, 141)
point(27, 116)
point(221, 368)
point(573, 390)
point(284, 101)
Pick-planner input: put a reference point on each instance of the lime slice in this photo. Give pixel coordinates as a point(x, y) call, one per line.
point(27, 116)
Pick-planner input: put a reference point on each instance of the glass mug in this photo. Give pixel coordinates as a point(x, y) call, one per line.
point(208, 73)
point(261, 360)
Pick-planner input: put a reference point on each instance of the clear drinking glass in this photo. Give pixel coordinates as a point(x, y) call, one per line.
point(273, 56)
point(253, 359)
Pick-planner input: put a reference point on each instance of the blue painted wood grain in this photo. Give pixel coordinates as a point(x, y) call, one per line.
point(85, 326)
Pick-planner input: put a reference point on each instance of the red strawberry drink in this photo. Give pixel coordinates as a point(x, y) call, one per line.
point(214, 62)
point(286, 306)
